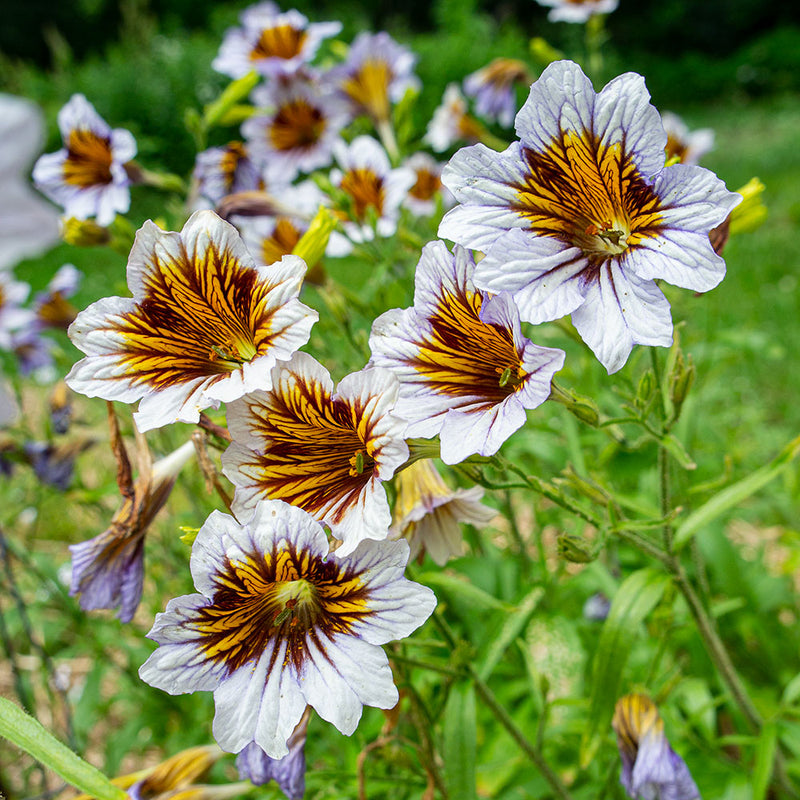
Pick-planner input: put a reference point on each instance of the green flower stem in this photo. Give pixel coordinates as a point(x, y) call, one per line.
point(504, 718)
point(421, 664)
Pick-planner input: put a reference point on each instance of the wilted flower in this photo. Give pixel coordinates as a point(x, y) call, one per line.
point(28, 225)
point(428, 513)
point(493, 87)
point(108, 570)
point(422, 196)
point(686, 146)
point(326, 451)
point(271, 42)
point(278, 624)
point(373, 189)
point(220, 171)
point(87, 178)
point(378, 72)
point(299, 133)
point(451, 123)
point(288, 772)
point(204, 325)
point(577, 10)
point(581, 216)
point(466, 373)
point(651, 769)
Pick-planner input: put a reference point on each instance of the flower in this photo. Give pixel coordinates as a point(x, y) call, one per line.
point(685, 146)
point(651, 769)
point(422, 196)
point(28, 225)
point(577, 10)
point(466, 373)
point(272, 236)
point(288, 772)
point(220, 171)
point(377, 73)
point(581, 217)
point(87, 177)
point(13, 317)
point(108, 570)
point(204, 325)
point(451, 123)
point(54, 465)
point(272, 43)
point(277, 624)
point(176, 774)
point(51, 307)
point(326, 451)
point(428, 513)
point(374, 190)
point(300, 132)
point(492, 87)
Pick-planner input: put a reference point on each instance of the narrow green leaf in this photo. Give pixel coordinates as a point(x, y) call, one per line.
point(765, 758)
point(791, 693)
point(635, 599)
point(678, 451)
point(461, 589)
point(513, 626)
point(233, 93)
point(734, 494)
point(460, 742)
point(31, 736)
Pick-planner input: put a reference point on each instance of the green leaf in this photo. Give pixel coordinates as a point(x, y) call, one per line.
point(513, 626)
point(31, 736)
point(765, 758)
point(635, 599)
point(236, 91)
point(460, 742)
point(461, 589)
point(734, 494)
point(791, 693)
point(676, 449)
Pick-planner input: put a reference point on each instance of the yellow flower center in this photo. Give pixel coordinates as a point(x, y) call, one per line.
point(281, 41)
point(296, 125)
point(88, 161)
point(365, 189)
point(369, 88)
point(589, 195)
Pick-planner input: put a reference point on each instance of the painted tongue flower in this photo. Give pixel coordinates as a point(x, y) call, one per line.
point(299, 133)
point(204, 325)
point(422, 197)
point(13, 317)
point(493, 87)
point(378, 72)
point(428, 513)
point(651, 769)
point(374, 190)
point(451, 122)
point(466, 373)
point(87, 177)
point(272, 42)
point(278, 623)
point(325, 451)
point(577, 10)
point(581, 217)
point(220, 171)
point(688, 147)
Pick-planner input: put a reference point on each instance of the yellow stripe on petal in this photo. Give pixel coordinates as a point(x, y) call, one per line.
point(589, 195)
point(279, 41)
point(88, 161)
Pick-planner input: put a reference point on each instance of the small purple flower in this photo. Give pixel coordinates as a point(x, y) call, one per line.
point(220, 171)
point(651, 769)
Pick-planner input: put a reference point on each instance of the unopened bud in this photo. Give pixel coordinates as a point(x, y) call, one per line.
point(644, 392)
point(543, 52)
point(751, 212)
point(681, 381)
point(83, 232)
point(312, 244)
point(575, 549)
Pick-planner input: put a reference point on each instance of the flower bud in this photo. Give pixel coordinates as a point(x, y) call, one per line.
point(680, 381)
point(575, 549)
point(83, 232)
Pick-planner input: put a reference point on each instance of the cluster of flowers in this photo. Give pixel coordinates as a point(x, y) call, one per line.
point(581, 216)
